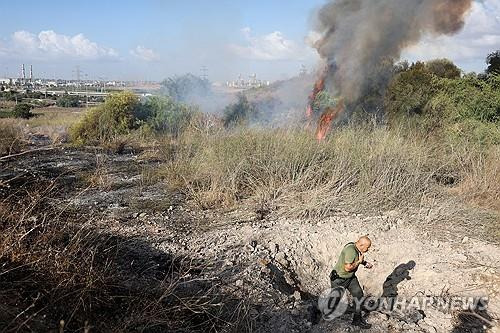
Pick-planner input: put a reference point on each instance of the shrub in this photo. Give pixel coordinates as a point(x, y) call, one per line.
point(239, 113)
point(103, 123)
point(323, 100)
point(166, 116)
point(22, 110)
point(68, 101)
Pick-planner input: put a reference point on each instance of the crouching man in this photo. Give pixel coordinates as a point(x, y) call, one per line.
point(344, 274)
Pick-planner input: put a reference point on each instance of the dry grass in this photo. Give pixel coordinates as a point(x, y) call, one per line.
point(355, 169)
point(55, 116)
point(11, 138)
point(54, 267)
point(52, 122)
point(480, 182)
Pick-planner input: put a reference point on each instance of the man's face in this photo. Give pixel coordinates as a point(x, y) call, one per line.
point(364, 247)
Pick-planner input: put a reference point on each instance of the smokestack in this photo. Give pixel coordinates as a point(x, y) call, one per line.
point(23, 73)
point(31, 73)
point(358, 35)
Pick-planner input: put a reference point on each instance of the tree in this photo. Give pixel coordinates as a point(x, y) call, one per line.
point(22, 110)
point(186, 88)
point(409, 92)
point(444, 68)
point(493, 61)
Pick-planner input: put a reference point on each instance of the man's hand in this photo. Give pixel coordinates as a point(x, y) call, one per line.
point(361, 258)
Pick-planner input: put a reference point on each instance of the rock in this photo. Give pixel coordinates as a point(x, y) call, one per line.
point(297, 296)
point(465, 239)
point(141, 215)
point(308, 261)
point(239, 283)
point(415, 316)
point(274, 247)
point(281, 258)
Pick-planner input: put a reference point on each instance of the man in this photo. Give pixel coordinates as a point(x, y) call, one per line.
point(344, 274)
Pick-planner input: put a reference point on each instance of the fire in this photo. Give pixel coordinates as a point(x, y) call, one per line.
point(330, 113)
point(326, 119)
point(319, 85)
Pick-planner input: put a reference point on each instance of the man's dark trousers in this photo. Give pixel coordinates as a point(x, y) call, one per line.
point(351, 284)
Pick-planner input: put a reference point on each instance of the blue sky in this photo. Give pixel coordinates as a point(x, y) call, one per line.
point(155, 39)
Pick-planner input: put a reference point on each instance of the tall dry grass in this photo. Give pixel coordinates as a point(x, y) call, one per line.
point(355, 168)
point(11, 138)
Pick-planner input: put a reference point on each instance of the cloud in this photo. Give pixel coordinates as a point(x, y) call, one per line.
point(49, 44)
point(145, 54)
point(273, 46)
point(480, 36)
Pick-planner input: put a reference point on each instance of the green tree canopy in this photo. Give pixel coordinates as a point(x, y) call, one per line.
point(493, 61)
point(444, 68)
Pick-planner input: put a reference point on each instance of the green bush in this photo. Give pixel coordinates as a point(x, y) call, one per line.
point(239, 113)
point(123, 113)
point(323, 100)
point(68, 101)
point(164, 115)
point(104, 123)
point(22, 110)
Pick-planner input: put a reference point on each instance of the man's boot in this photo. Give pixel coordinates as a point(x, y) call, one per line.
point(359, 321)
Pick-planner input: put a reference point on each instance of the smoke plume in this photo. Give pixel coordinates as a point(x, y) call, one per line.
point(358, 35)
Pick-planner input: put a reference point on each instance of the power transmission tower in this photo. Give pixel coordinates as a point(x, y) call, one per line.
point(303, 70)
point(78, 73)
point(204, 71)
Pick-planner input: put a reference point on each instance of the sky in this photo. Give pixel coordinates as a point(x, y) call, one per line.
point(156, 39)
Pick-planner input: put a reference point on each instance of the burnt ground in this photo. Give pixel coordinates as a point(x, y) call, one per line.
point(275, 268)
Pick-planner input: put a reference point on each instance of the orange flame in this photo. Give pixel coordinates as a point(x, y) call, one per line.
point(326, 119)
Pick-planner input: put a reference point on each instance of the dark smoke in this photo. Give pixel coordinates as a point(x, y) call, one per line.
point(359, 35)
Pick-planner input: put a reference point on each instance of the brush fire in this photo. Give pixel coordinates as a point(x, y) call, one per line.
point(357, 36)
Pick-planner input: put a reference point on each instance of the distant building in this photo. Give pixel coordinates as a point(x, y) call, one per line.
point(241, 83)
